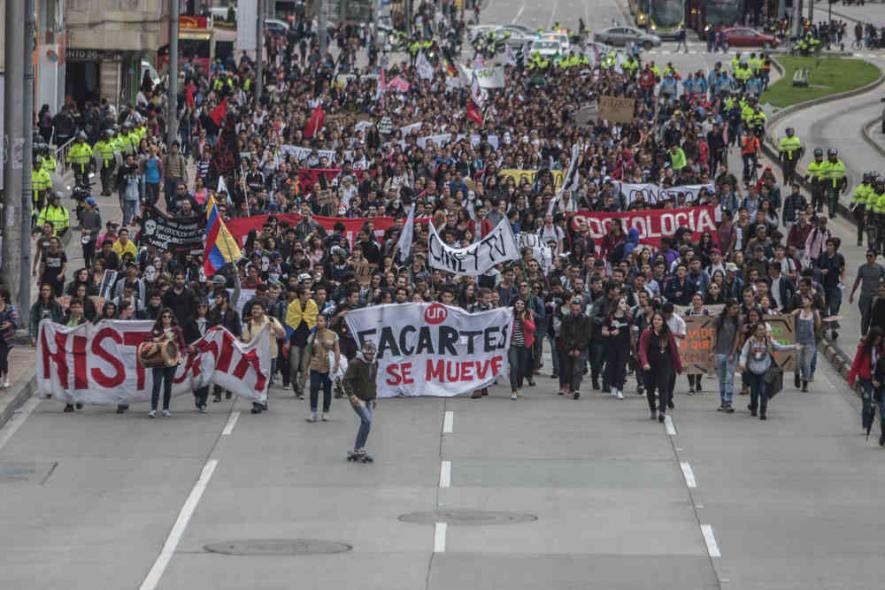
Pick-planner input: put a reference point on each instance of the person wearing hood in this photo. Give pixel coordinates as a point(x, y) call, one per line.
point(359, 385)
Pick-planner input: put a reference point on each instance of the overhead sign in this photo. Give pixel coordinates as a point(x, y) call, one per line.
point(429, 349)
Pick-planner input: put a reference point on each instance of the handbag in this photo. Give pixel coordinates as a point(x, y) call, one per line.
point(773, 377)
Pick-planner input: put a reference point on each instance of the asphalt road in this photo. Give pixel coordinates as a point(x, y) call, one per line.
point(96, 500)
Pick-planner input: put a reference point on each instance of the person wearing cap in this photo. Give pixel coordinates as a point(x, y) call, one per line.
point(90, 225)
point(56, 214)
point(817, 175)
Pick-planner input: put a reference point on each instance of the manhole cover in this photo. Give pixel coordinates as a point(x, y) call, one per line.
point(464, 517)
point(9, 471)
point(278, 547)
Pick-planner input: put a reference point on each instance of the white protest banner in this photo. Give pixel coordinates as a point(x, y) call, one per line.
point(432, 349)
point(497, 247)
point(424, 67)
point(246, 295)
point(540, 250)
point(486, 77)
point(439, 140)
point(691, 192)
point(404, 244)
point(654, 194)
point(97, 363)
point(301, 153)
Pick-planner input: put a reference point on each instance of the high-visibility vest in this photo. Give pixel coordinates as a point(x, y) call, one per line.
point(57, 216)
point(789, 146)
point(80, 154)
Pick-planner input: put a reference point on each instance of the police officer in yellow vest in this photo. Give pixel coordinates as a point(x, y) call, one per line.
point(104, 149)
point(80, 157)
point(816, 174)
point(47, 159)
point(877, 218)
point(41, 183)
point(56, 214)
point(789, 150)
point(862, 193)
point(836, 180)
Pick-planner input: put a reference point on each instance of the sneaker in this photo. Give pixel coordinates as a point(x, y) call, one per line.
point(313, 417)
point(152, 414)
point(201, 408)
point(216, 398)
point(531, 382)
point(729, 409)
point(5, 383)
point(69, 408)
point(167, 413)
point(721, 407)
point(652, 415)
point(325, 416)
point(618, 394)
point(78, 405)
point(514, 396)
point(805, 386)
point(576, 395)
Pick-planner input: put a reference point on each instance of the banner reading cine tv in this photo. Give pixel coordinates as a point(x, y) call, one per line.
point(653, 224)
point(432, 349)
point(497, 247)
point(96, 363)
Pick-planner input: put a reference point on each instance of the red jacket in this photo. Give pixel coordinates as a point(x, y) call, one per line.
point(861, 366)
point(528, 330)
point(644, 341)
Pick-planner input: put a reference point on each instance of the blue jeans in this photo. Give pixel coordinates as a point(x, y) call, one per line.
point(320, 380)
point(725, 370)
point(364, 411)
point(758, 392)
point(807, 361)
point(164, 376)
point(520, 360)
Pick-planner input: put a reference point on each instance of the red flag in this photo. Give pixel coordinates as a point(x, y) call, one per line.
point(315, 123)
point(473, 112)
point(219, 113)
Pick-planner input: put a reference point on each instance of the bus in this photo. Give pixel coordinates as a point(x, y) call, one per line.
point(665, 17)
point(639, 12)
point(705, 16)
point(196, 44)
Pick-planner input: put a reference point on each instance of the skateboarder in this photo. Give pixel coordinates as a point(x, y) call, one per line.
point(359, 385)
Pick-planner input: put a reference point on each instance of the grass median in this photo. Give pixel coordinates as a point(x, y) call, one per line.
point(827, 75)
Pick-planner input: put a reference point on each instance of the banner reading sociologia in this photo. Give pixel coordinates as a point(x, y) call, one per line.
point(652, 224)
point(429, 349)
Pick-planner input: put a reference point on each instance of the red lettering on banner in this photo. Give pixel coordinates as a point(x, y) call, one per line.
point(652, 224)
point(58, 357)
point(451, 371)
point(80, 381)
point(224, 356)
point(134, 339)
point(399, 374)
point(119, 370)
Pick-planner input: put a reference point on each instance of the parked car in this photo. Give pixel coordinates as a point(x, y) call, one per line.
point(746, 37)
point(546, 48)
point(621, 36)
point(561, 38)
point(276, 26)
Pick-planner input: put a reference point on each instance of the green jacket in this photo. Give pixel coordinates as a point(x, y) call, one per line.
point(359, 380)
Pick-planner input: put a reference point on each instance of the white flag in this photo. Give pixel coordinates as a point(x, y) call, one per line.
point(477, 92)
point(404, 245)
point(222, 186)
point(424, 67)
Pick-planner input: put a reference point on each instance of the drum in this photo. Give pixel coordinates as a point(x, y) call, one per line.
point(158, 354)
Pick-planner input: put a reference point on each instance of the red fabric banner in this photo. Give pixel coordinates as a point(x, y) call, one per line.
point(653, 224)
point(241, 226)
point(309, 176)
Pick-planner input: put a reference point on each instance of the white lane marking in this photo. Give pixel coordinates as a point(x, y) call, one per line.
point(518, 13)
point(190, 505)
point(668, 424)
point(448, 422)
point(710, 540)
point(17, 419)
point(552, 14)
point(689, 475)
point(439, 537)
point(445, 474)
point(231, 422)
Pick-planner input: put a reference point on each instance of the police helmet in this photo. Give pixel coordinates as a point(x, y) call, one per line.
point(818, 153)
point(790, 131)
point(832, 152)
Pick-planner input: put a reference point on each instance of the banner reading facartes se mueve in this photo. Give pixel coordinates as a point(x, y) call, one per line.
point(430, 349)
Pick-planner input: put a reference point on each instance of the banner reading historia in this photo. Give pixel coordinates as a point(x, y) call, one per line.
point(97, 363)
point(497, 247)
point(432, 349)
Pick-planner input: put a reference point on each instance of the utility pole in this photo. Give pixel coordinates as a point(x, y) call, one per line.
point(259, 55)
point(24, 293)
point(13, 232)
point(172, 98)
point(811, 11)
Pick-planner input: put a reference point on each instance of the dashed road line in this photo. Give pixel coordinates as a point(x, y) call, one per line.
point(445, 474)
point(688, 474)
point(448, 422)
point(668, 425)
point(710, 540)
point(439, 537)
point(17, 419)
point(231, 422)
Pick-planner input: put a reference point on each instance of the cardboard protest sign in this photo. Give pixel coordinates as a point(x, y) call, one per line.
point(616, 109)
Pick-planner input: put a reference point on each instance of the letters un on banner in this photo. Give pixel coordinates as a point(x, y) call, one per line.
point(497, 247)
point(429, 349)
point(653, 224)
point(97, 363)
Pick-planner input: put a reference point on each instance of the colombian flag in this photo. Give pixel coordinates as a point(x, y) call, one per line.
point(221, 247)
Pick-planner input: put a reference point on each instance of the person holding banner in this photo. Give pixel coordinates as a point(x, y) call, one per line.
point(165, 329)
point(754, 363)
point(660, 361)
point(252, 329)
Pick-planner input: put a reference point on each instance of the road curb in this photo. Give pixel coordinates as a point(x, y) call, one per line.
point(865, 135)
point(19, 393)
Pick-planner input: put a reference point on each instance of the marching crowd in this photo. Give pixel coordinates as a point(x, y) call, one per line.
point(332, 141)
